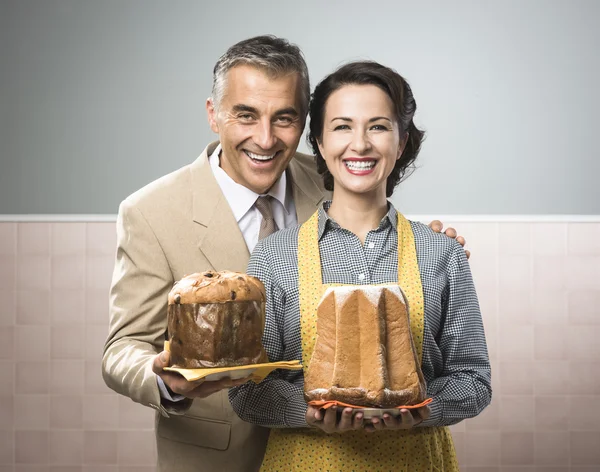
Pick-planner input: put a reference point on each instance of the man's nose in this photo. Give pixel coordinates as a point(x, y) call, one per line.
point(265, 137)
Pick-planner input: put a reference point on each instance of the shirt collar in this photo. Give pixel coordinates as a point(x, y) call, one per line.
point(327, 223)
point(240, 198)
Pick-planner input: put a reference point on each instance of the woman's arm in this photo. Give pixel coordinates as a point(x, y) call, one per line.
point(276, 401)
point(464, 388)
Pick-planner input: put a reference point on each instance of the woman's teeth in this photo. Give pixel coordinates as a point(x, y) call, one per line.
point(359, 165)
point(260, 157)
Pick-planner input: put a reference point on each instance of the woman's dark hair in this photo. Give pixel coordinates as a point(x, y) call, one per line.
point(394, 85)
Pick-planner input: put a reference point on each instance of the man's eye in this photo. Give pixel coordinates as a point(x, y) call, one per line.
point(245, 117)
point(284, 120)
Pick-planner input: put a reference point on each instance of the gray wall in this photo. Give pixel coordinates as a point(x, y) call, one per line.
point(98, 98)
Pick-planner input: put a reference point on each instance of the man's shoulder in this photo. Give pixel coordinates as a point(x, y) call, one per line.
point(307, 163)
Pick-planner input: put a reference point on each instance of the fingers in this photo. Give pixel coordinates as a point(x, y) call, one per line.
point(451, 233)
point(468, 253)
point(436, 225)
point(330, 420)
point(160, 361)
point(346, 420)
point(460, 240)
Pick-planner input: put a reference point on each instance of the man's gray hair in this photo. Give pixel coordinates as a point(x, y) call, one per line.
point(276, 56)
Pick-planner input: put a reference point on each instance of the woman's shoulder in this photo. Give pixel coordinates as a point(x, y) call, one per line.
point(279, 244)
point(432, 245)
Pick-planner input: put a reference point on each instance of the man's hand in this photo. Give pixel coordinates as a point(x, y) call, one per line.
point(197, 389)
point(438, 226)
point(328, 421)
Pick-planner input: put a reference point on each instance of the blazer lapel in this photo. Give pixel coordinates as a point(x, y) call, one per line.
point(222, 242)
point(307, 194)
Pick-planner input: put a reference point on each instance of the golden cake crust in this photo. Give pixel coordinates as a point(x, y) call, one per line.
point(217, 287)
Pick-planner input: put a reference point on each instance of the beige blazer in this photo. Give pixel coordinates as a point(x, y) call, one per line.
point(177, 225)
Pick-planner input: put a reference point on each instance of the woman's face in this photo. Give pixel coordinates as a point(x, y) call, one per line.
point(361, 140)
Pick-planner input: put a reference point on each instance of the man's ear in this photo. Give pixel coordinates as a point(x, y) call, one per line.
point(402, 145)
point(212, 115)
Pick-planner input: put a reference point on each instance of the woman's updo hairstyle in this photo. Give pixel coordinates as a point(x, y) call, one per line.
point(394, 85)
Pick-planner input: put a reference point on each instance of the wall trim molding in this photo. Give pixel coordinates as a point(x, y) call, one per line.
point(90, 218)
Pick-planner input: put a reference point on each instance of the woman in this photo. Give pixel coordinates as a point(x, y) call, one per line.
point(362, 132)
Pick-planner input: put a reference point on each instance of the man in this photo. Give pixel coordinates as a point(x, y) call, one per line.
point(208, 215)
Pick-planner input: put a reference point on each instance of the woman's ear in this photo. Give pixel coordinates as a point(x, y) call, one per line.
point(402, 145)
point(212, 115)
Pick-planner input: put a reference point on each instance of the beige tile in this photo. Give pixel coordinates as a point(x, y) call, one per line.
point(99, 272)
point(583, 272)
point(515, 273)
point(459, 427)
point(517, 413)
point(484, 269)
point(7, 342)
point(7, 446)
point(515, 343)
point(32, 307)
point(584, 239)
point(487, 420)
point(67, 377)
point(7, 412)
point(8, 274)
point(32, 412)
point(66, 447)
point(100, 447)
point(515, 308)
point(96, 307)
point(582, 381)
point(65, 468)
point(584, 342)
point(488, 304)
point(68, 272)
point(545, 468)
point(7, 468)
point(101, 239)
point(94, 383)
point(133, 415)
point(68, 239)
point(67, 342)
point(31, 447)
point(482, 238)
point(137, 448)
point(552, 448)
point(584, 306)
point(584, 448)
point(549, 239)
point(33, 273)
point(142, 468)
point(95, 337)
point(482, 448)
point(458, 439)
point(582, 468)
point(551, 414)
point(32, 343)
point(33, 239)
point(481, 469)
point(101, 468)
point(32, 468)
point(550, 307)
point(552, 377)
point(8, 239)
point(7, 374)
point(550, 343)
point(66, 412)
point(31, 377)
point(516, 448)
point(101, 412)
point(549, 272)
point(8, 307)
point(584, 413)
point(67, 307)
point(516, 378)
point(514, 239)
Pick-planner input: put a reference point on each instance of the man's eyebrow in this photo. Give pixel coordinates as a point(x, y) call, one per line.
point(240, 107)
point(287, 111)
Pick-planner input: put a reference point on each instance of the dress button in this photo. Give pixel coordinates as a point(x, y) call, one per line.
point(371, 245)
point(361, 276)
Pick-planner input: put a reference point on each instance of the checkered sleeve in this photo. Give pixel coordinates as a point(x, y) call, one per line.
point(276, 401)
point(463, 388)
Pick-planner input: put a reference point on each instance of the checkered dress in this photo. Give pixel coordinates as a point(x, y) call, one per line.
point(455, 361)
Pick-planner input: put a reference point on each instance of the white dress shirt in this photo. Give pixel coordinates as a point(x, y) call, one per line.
point(242, 201)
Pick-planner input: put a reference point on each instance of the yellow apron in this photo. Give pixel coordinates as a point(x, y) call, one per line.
point(421, 449)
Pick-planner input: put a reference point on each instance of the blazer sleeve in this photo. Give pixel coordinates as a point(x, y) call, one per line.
point(141, 282)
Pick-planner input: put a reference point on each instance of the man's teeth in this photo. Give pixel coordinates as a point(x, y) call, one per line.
point(359, 165)
point(260, 157)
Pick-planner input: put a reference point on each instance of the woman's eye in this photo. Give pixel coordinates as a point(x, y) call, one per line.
point(341, 127)
point(379, 128)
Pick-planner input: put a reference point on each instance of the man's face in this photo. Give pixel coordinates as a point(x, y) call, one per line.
point(259, 124)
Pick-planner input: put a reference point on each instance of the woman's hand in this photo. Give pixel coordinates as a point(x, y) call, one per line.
point(327, 420)
point(406, 420)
